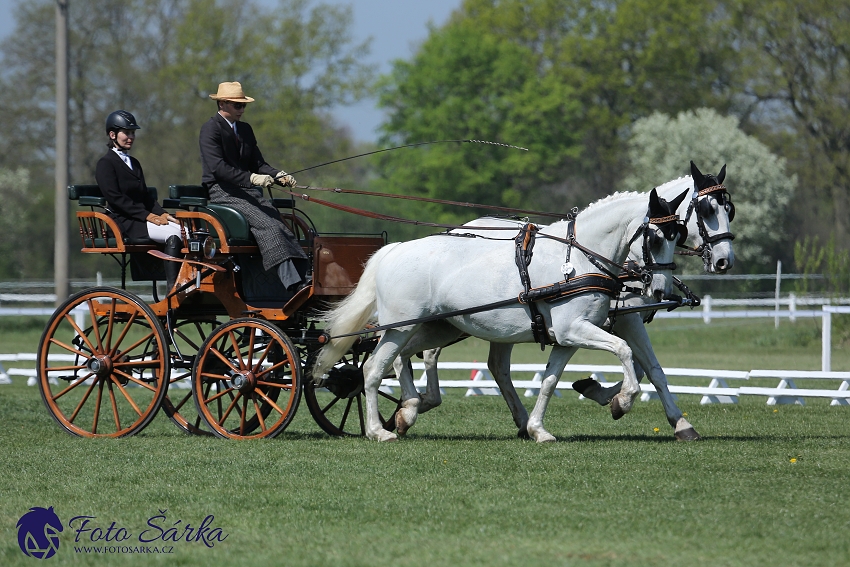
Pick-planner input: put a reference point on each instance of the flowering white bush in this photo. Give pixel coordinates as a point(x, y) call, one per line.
point(661, 148)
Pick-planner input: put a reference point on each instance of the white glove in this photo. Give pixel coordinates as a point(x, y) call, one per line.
point(285, 179)
point(264, 181)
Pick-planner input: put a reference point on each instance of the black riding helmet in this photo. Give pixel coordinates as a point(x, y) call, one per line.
point(121, 120)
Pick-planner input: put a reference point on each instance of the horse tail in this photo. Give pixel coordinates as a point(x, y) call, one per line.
point(352, 314)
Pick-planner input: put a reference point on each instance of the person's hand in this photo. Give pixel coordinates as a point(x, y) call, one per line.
point(285, 179)
point(264, 181)
point(157, 219)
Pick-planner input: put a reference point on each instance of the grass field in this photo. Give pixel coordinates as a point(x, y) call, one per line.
point(766, 485)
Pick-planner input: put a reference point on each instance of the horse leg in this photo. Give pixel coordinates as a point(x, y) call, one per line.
point(634, 332)
point(554, 368)
point(408, 412)
point(499, 363)
point(431, 398)
point(583, 333)
point(376, 367)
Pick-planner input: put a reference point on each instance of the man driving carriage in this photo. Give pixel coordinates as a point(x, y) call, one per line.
point(235, 172)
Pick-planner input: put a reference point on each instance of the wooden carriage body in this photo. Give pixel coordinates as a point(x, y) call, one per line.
point(227, 327)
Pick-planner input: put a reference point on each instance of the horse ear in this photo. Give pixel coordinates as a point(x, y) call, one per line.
point(695, 172)
point(655, 207)
point(722, 175)
point(674, 204)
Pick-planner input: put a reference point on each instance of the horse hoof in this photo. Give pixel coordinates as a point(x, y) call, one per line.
point(523, 433)
point(688, 434)
point(545, 437)
point(616, 411)
point(401, 426)
point(383, 436)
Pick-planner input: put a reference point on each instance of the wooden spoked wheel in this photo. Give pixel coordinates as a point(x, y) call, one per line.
point(338, 404)
point(247, 380)
point(185, 340)
point(103, 364)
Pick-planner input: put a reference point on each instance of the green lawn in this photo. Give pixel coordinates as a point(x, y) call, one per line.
point(461, 489)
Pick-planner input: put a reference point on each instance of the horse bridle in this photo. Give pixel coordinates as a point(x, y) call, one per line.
point(702, 209)
point(665, 224)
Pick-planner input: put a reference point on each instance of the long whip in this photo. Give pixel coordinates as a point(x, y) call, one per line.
point(411, 146)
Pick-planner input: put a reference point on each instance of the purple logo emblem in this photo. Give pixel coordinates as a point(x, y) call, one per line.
point(38, 533)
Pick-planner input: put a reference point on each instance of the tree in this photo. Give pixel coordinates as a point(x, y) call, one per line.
point(468, 84)
point(661, 148)
point(160, 59)
point(795, 89)
point(20, 205)
point(565, 78)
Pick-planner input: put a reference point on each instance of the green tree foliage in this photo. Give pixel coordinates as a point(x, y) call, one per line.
point(21, 226)
point(795, 89)
point(160, 59)
point(662, 147)
point(468, 84)
point(565, 78)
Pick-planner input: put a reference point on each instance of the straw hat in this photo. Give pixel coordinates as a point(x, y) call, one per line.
point(232, 92)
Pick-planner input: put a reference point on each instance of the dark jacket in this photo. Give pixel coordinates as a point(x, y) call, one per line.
point(227, 162)
point(126, 193)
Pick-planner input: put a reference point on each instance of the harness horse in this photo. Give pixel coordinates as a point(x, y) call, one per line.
point(412, 282)
point(707, 217)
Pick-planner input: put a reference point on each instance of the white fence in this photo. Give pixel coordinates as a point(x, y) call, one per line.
point(719, 390)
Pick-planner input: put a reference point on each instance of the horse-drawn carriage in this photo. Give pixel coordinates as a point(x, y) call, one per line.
point(233, 347)
point(224, 351)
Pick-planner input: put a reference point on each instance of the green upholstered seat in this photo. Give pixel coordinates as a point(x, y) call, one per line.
point(91, 196)
point(235, 224)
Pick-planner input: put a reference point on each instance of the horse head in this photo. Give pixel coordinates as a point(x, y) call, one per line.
point(708, 218)
point(662, 231)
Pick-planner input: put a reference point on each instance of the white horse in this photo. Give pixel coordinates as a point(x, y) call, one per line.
point(708, 217)
point(410, 281)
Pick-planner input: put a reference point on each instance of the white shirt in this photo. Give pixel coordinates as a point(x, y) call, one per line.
point(231, 124)
point(124, 157)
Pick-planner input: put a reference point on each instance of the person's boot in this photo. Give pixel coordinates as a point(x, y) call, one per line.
point(172, 247)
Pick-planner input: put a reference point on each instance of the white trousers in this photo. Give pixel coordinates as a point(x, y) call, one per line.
point(161, 232)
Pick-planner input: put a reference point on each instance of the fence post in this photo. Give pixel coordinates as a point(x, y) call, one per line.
point(792, 307)
point(706, 309)
point(826, 339)
point(778, 283)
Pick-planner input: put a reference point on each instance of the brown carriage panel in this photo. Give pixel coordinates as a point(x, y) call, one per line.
point(338, 262)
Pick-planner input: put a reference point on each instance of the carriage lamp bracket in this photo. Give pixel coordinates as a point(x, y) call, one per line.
point(202, 244)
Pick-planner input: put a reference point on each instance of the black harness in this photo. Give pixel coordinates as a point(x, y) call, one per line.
point(606, 282)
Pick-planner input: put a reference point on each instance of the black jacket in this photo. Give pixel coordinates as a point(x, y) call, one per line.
point(224, 160)
point(126, 193)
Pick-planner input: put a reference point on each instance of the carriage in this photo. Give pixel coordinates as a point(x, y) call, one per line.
point(225, 351)
point(235, 350)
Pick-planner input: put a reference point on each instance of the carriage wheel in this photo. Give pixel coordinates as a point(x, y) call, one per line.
point(102, 364)
point(338, 404)
point(177, 405)
point(247, 380)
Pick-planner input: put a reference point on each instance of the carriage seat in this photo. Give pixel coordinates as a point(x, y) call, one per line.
point(91, 196)
point(234, 222)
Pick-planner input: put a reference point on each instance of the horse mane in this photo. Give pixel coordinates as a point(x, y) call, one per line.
point(682, 183)
point(616, 196)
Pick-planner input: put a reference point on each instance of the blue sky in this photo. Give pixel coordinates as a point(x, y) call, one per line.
point(395, 26)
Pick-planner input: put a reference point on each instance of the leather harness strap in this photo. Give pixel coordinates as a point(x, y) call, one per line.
point(524, 244)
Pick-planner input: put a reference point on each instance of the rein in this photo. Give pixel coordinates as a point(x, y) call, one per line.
point(390, 218)
point(430, 200)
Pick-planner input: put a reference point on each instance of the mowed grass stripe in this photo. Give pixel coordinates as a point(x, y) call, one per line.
point(459, 490)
